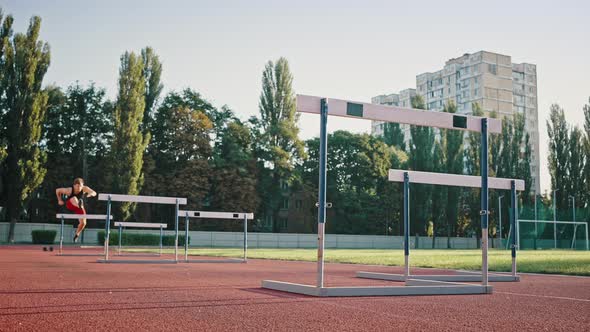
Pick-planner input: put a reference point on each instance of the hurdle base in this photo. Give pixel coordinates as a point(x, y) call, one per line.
point(412, 287)
point(465, 277)
point(95, 255)
point(135, 261)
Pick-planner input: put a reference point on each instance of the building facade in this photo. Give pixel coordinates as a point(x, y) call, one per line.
point(489, 79)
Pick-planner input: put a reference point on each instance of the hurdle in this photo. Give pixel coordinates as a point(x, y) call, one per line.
point(216, 215)
point(366, 111)
point(408, 177)
point(63, 216)
point(139, 199)
point(121, 226)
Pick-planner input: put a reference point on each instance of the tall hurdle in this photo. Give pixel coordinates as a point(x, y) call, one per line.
point(408, 177)
point(177, 201)
point(366, 111)
point(64, 216)
point(216, 215)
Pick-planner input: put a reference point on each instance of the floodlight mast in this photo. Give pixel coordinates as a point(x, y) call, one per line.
point(359, 110)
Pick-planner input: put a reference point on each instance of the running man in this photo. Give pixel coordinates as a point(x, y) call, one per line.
point(75, 201)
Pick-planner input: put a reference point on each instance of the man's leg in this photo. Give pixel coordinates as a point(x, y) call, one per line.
point(72, 205)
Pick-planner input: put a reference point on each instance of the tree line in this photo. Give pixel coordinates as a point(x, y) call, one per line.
point(179, 144)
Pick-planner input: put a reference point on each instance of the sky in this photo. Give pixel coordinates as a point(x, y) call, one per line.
point(341, 49)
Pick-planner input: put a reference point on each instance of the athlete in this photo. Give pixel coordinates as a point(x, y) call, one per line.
point(75, 201)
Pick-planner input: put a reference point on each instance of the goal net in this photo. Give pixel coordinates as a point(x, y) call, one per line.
point(548, 234)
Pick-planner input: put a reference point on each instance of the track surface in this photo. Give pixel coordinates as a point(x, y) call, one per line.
point(40, 291)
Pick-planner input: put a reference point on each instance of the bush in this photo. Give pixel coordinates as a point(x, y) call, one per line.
point(43, 236)
point(129, 239)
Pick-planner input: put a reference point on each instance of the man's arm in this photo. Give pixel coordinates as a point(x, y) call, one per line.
point(89, 191)
point(59, 192)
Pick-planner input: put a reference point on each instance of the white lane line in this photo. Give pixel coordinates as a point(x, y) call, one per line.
point(545, 296)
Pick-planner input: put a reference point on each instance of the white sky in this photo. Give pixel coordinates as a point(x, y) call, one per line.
point(343, 49)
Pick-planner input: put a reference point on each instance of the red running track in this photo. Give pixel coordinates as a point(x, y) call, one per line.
point(40, 291)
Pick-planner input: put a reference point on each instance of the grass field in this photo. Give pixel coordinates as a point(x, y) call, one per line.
point(546, 261)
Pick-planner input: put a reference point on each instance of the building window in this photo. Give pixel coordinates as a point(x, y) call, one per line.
point(284, 185)
point(285, 203)
point(475, 92)
point(492, 68)
point(283, 223)
point(298, 204)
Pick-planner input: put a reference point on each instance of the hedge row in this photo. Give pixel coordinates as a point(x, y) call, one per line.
point(130, 239)
point(44, 236)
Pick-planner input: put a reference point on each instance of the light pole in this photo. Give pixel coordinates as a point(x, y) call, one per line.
point(573, 206)
point(500, 217)
point(554, 220)
point(536, 234)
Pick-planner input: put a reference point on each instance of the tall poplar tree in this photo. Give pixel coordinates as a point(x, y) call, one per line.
point(587, 151)
point(152, 73)
point(129, 142)
point(421, 151)
point(393, 135)
point(577, 182)
point(453, 163)
point(279, 145)
point(557, 129)
point(25, 61)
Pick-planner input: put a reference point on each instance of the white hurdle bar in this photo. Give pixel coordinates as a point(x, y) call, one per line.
point(63, 216)
point(216, 215)
point(140, 199)
point(396, 175)
point(140, 225)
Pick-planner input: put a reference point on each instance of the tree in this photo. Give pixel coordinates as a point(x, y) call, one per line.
point(5, 35)
point(452, 141)
point(587, 151)
point(421, 151)
point(577, 182)
point(129, 142)
point(279, 145)
point(152, 72)
point(557, 129)
point(472, 154)
point(234, 178)
point(393, 135)
point(356, 182)
point(180, 153)
point(77, 135)
point(25, 62)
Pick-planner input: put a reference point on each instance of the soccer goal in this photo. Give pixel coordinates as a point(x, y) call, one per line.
point(549, 234)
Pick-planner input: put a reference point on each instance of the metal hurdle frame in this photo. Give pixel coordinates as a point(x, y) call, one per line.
point(216, 215)
point(139, 199)
point(359, 110)
point(63, 216)
point(408, 177)
point(139, 225)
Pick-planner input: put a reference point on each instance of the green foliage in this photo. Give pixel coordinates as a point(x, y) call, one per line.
point(558, 131)
point(576, 182)
point(25, 61)
point(452, 141)
point(278, 146)
point(132, 239)
point(43, 236)
point(587, 152)
point(235, 177)
point(393, 135)
point(364, 202)
point(180, 154)
point(152, 72)
point(129, 142)
point(421, 158)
